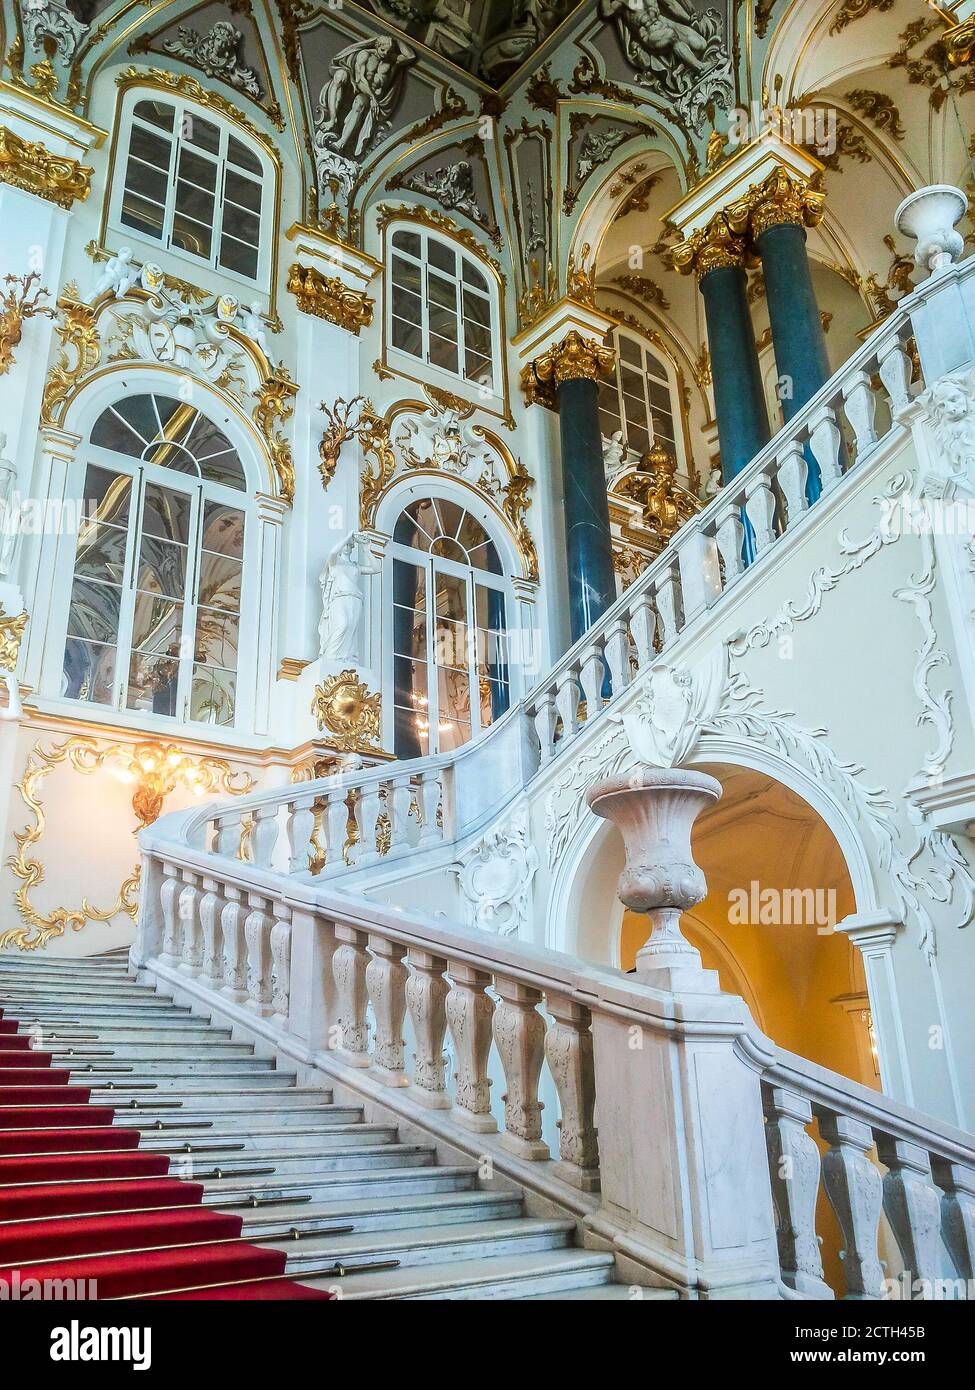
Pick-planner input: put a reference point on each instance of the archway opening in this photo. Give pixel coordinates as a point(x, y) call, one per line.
point(777, 886)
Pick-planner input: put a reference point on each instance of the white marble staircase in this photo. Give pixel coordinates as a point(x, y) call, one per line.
point(318, 1180)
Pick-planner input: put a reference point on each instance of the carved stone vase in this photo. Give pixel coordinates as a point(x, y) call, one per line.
point(655, 809)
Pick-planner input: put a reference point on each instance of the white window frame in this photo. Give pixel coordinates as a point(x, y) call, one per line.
point(663, 376)
point(267, 183)
point(432, 564)
point(405, 361)
point(200, 490)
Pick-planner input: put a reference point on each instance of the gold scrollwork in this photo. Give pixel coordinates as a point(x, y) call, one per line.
point(357, 419)
point(327, 297)
point(16, 305)
point(155, 769)
point(515, 503)
point(275, 405)
point(11, 636)
point(79, 354)
point(573, 358)
point(344, 707)
point(31, 166)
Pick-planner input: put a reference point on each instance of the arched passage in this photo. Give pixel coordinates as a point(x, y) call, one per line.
point(779, 883)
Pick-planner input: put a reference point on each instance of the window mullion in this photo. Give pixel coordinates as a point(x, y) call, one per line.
point(433, 670)
point(127, 601)
point(191, 596)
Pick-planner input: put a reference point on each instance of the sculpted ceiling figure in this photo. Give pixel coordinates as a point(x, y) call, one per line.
point(452, 187)
point(675, 51)
point(47, 19)
point(217, 54)
point(356, 104)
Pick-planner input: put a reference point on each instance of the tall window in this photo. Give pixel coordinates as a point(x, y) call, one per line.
point(155, 601)
point(194, 187)
point(440, 308)
point(450, 660)
point(638, 399)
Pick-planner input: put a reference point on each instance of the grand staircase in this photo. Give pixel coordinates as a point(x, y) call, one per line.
point(145, 1148)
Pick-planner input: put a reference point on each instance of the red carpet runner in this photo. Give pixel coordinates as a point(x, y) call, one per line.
point(79, 1196)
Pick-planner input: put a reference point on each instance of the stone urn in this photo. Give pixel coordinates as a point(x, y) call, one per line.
point(655, 809)
point(929, 216)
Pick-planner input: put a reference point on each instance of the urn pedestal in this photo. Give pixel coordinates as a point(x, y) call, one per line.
point(655, 809)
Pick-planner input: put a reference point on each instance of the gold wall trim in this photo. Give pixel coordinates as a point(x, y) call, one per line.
point(327, 297)
point(155, 775)
point(31, 166)
point(343, 705)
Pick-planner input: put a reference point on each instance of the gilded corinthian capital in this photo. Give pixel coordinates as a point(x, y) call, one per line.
point(778, 200)
point(574, 358)
point(713, 247)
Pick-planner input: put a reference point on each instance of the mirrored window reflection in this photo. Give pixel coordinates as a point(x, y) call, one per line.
point(172, 434)
point(441, 307)
point(154, 617)
point(451, 676)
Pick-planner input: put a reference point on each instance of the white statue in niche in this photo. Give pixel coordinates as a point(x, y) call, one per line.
point(10, 512)
point(118, 276)
point(343, 599)
point(614, 455)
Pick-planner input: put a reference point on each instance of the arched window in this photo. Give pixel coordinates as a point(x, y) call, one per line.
point(154, 617)
point(639, 399)
point(441, 308)
point(195, 187)
point(450, 659)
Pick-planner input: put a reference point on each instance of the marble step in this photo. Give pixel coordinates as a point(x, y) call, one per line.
point(321, 1139)
point(164, 1058)
point(29, 1010)
point(176, 1085)
point(387, 1213)
point(104, 1053)
point(329, 1187)
point(508, 1277)
point(161, 1032)
point(203, 1105)
point(480, 1240)
point(296, 1167)
point(614, 1293)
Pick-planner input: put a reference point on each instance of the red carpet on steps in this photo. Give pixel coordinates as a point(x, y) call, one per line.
point(79, 1200)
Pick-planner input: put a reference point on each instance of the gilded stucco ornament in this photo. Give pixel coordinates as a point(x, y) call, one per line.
point(22, 301)
point(275, 405)
point(11, 636)
point(666, 505)
point(327, 297)
point(154, 768)
point(713, 247)
point(776, 201)
point(343, 706)
point(29, 165)
point(79, 354)
point(575, 358)
point(959, 42)
point(357, 419)
point(183, 85)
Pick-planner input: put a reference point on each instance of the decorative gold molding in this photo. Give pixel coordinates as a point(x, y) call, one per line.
point(343, 705)
point(11, 636)
point(714, 247)
point(856, 9)
point(185, 86)
point(79, 354)
point(580, 280)
point(879, 108)
point(327, 297)
point(275, 404)
point(290, 668)
point(575, 358)
point(155, 768)
point(17, 305)
point(959, 42)
point(777, 201)
point(515, 504)
point(30, 166)
point(439, 222)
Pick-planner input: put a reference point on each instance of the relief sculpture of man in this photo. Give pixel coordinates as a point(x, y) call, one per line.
point(360, 96)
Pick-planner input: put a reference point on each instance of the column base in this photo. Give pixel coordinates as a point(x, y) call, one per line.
point(677, 978)
point(352, 1059)
point(585, 1179)
point(390, 1078)
point(477, 1124)
point(533, 1150)
point(432, 1100)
